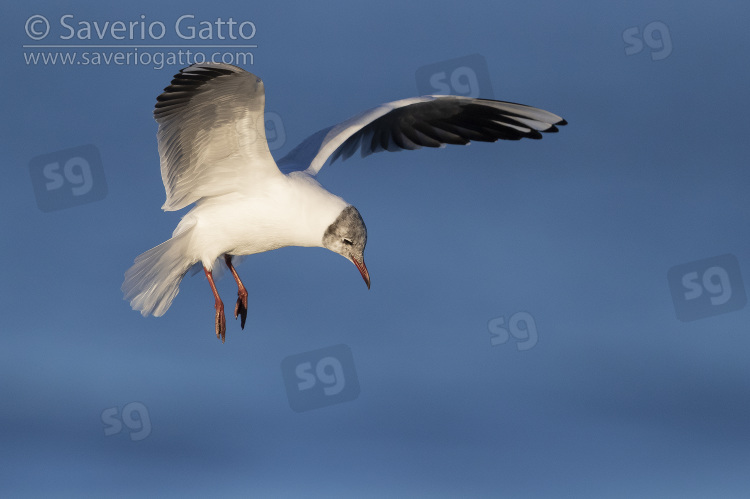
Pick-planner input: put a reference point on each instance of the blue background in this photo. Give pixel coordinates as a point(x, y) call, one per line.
point(618, 398)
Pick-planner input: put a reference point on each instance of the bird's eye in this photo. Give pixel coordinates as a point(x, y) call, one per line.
point(348, 242)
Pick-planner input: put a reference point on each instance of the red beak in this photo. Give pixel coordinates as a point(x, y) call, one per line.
point(363, 270)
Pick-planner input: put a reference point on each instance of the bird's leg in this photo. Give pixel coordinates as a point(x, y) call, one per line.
point(221, 322)
point(241, 307)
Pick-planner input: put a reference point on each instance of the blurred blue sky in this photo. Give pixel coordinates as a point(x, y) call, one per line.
point(616, 397)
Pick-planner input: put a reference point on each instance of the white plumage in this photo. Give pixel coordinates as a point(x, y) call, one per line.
point(214, 153)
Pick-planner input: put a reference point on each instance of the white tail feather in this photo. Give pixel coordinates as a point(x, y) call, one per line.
point(154, 280)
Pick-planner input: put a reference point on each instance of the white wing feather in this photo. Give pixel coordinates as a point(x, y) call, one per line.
point(211, 133)
point(428, 121)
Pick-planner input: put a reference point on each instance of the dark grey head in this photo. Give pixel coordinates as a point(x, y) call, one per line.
point(347, 236)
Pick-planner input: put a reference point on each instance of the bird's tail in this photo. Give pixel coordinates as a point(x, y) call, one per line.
point(154, 280)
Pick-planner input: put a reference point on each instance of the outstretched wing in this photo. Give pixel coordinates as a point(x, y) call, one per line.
point(211, 133)
point(429, 121)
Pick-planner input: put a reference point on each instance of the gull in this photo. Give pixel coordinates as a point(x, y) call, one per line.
point(214, 154)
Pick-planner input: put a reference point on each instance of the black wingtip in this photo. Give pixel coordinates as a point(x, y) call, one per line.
point(534, 134)
point(184, 86)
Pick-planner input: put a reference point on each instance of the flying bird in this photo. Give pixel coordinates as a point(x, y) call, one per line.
point(214, 154)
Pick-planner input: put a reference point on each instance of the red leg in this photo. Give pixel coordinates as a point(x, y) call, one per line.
point(241, 307)
point(221, 322)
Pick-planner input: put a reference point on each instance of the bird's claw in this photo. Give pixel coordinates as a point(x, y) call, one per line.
point(241, 308)
point(221, 323)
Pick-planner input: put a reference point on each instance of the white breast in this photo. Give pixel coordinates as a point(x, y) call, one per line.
point(293, 210)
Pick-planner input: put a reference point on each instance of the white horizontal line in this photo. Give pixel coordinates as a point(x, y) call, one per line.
point(135, 46)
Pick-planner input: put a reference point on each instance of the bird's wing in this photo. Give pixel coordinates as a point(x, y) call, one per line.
point(431, 121)
point(211, 133)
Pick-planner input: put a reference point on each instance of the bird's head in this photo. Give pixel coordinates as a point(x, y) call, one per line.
point(347, 236)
